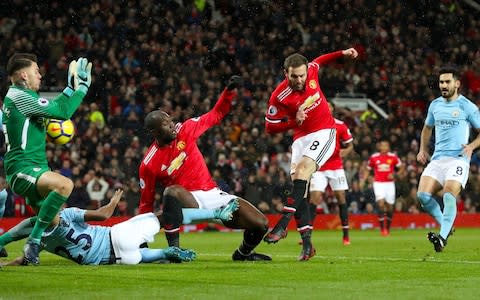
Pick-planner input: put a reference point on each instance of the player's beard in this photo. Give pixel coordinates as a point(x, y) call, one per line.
point(297, 86)
point(170, 138)
point(448, 93)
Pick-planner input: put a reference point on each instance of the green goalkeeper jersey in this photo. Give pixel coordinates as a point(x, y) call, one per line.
point(24, 114)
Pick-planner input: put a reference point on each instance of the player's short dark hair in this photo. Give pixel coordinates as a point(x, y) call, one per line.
point(19, 61)
point(450, 69)
point(295, 60)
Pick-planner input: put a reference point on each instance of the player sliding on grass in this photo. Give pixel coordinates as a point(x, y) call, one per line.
point(174, 161)
point(26, 165)
point(71, 237)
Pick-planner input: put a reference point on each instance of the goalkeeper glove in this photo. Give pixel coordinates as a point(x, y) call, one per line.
point(72, 69)
point(234, 82)
point(83, 76)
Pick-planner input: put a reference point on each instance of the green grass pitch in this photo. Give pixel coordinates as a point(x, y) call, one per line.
point(401, 266)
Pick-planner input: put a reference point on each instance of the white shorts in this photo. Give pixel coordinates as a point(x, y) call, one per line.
point(385, 191)
point(448, 168)
point(318, 145)
point(129, 235)
point(335, 178)
point(213, 198)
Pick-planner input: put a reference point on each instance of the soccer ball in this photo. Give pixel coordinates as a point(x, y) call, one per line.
point(60, 132)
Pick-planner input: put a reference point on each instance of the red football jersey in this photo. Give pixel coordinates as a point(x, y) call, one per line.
point(181, 162)
point(344, 136)
point(285, 102)
point(383, 166)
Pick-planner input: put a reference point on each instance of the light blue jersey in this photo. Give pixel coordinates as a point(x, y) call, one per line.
point(452, 121)
point(76, 240)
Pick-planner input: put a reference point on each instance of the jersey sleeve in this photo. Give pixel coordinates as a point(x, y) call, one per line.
point(326, 58)
point(370, 164)
point(277, 118)
point(197, 126)
point(30, 104)
point(147, 189)
point(73, 214)
point(398, 161)
point(345, 134)
point(474, 116)
point(430, 119)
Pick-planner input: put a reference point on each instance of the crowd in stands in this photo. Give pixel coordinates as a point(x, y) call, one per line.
point(177, 56)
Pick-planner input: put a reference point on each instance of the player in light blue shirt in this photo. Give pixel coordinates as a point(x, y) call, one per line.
point(452, 115)
point(71, 237)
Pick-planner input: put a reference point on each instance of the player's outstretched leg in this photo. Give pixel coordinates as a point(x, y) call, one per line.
point(279, 231)
point(225, 213)
point(256, 225)
point(296, 205)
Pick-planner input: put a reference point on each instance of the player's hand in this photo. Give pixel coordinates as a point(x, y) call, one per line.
point(423, 157)
point(72, 70)
point(467, 151)
point(300, 117)
point(350, 52)
point(83, 76)
point(234, 82)
point(116, 197)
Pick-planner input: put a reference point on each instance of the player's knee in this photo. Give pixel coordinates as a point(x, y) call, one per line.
point(424, 197)
point(304, 170)
point(173, 190)
point(64, 187)
point(260, 223)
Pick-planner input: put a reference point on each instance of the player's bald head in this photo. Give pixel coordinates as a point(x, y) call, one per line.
point(153, 118)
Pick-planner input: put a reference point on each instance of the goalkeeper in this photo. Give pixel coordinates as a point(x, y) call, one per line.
point(24, 112)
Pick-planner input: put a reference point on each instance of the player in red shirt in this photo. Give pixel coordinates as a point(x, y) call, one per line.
point(332, 174)
point(174, 161)
point(383, 164)
point(298, 103)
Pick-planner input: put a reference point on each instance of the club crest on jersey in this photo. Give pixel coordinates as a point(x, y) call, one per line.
point(455, 113)
point(42, 101)
point(272, 110)
point(181, 145)
point(312, 84)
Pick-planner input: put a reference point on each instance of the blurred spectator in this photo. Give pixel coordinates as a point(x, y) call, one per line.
point(96, 116)
point(97, 187)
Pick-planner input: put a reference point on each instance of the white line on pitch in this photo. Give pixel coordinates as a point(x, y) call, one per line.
point(393, 259)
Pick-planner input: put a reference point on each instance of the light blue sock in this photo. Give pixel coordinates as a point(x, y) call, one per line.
point(151, 255)
point(3, 199)
point(197, 214)
point(431, 206)
point(449, 214)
